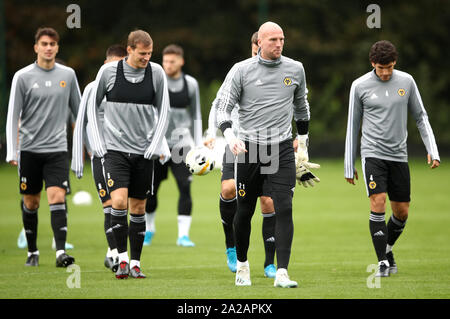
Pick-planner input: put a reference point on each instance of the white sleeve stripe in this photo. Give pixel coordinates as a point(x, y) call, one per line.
point(349, 141)
point(212, 122)
point(223, 102)
point(161, 123)
point(198, 115)
point(77, 152)
point(92, 113)
point(10, 135)
point(9, 123)
point(428, 128)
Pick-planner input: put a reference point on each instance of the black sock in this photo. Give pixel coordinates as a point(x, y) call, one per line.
point(30, 223)
point(268, 233)
point(394, 229)
point(119, 224)
point(136, 234)
point(284, 227)
point(108, 229)
point(227, 211)
point(378, 231)
point(58, 219)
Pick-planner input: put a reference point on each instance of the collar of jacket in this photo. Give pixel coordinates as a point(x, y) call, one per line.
point(269, 63)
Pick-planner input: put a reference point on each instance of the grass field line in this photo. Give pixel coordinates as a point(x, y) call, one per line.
point(158, 268)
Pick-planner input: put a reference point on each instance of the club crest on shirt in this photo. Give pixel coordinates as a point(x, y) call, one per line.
point(401, 92)
point(287, 81)
point(62, 84)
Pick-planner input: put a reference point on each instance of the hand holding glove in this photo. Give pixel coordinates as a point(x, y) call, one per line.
point(303, 166)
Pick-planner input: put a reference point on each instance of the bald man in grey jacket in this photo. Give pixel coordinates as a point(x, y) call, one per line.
point(270, 89)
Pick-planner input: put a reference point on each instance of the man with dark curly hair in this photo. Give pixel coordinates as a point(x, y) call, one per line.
point(381, 99)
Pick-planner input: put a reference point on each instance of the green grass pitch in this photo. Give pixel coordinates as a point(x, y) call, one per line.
point(331, 250)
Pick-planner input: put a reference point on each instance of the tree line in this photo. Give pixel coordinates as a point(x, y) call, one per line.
point(331, 38)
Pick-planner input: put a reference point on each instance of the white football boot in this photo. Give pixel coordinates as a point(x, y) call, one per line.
point(282, 279)
point(243, 274)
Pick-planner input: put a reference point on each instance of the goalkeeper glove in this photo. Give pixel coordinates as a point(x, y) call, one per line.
point(303, 172)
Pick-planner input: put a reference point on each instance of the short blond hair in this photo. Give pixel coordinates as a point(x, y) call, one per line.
point(139, 36)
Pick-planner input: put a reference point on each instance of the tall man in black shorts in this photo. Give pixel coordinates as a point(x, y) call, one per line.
point(41, 96)
point(135, 121)
point(381, 99)
point(228, 199)
point(270, 89)
point(82, 136)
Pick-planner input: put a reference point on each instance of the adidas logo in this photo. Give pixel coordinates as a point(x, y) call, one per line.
point(271, 239)
point(379, 233)
point(373, 96)
point(258, 82)
point(63, 229)
point(142, 233)
point(35, 86)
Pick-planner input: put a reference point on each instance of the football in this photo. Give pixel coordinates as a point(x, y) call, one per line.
point(82, 198)
point(200, 161)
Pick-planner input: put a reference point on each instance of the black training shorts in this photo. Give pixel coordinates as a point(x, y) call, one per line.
point(383, 176)
point(126, 170)
point(265, 169)
point(35, 168)
point(228, 172)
